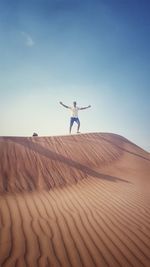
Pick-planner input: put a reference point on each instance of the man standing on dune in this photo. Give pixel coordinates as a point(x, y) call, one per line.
point(74, 115)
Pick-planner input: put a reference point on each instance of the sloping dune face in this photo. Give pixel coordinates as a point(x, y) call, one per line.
point(29, 164)
point(78, 200)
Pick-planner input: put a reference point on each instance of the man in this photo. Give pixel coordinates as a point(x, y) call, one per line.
point(74, 114)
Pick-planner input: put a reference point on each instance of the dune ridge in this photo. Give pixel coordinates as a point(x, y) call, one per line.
point(79, 200)
point(43, 163)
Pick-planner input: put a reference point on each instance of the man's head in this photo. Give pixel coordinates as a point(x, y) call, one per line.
point(74, 103)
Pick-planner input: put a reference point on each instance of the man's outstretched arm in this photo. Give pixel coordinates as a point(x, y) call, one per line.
point(61, 103)
point(85, 107)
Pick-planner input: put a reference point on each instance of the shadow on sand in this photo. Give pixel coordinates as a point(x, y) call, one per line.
point(34, 146)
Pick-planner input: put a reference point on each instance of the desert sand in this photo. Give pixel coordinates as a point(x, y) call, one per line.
point(79, 200)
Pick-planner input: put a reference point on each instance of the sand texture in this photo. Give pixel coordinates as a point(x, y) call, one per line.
point(74, 201)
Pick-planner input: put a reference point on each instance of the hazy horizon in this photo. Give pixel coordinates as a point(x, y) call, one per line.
point(94, 52)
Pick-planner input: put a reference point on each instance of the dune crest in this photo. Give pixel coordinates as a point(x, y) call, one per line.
point(47, 162)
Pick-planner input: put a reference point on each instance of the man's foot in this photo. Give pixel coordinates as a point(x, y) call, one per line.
point(78, 132)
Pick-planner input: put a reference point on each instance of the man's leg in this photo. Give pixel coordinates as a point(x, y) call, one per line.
point(71, 123)
point(78, 122)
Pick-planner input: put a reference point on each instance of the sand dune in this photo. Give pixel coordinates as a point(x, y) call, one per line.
point(78, 200)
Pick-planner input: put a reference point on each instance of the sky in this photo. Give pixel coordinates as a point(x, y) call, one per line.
point(95, 52)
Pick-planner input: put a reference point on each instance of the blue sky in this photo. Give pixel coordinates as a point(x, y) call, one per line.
point(94, 52)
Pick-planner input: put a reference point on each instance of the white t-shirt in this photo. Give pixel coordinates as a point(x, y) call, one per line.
point(74, 111)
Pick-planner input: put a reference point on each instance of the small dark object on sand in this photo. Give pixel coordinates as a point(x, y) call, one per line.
point(35, 134)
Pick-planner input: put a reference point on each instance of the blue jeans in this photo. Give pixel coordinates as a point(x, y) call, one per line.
point(74, 119)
